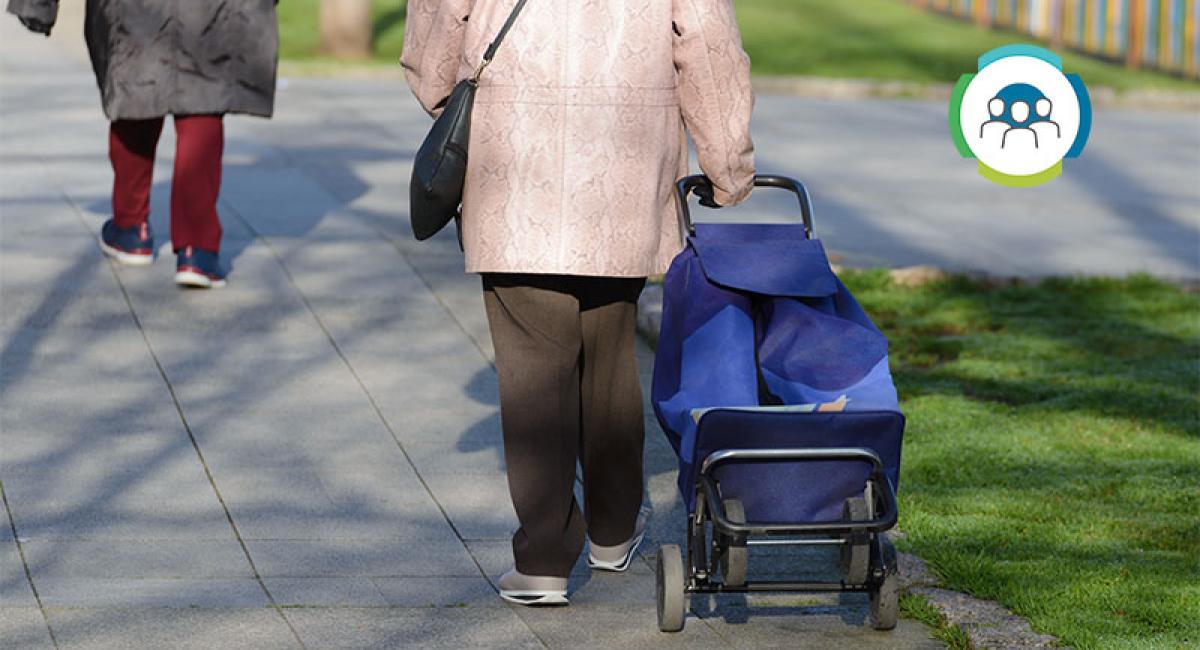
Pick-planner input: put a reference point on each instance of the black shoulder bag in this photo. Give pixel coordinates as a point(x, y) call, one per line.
point(440, 168)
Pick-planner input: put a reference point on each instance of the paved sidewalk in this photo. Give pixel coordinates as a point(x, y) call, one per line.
point(309, 457)
point(312, 455)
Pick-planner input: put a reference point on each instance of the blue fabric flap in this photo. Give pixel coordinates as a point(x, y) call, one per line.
point(773, 260)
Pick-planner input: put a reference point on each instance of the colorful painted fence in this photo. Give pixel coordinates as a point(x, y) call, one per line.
point(1144, 33)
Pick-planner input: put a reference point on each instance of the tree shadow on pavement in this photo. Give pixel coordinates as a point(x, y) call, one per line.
point(245, 365)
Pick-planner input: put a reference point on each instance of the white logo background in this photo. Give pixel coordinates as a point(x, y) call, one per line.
point(1019, 157)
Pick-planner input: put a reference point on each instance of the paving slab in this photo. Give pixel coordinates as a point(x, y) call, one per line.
point(427, 343)
point(633, 588)
point(315, 419)
point(367, 270)
point(336, 225)
point(151, 593)
point(60, 308)
point(471, 425)
point(164, 559)
point(813, 627)
point(427, 627)
point(231, 444)
point(395, 313)
point(35, 217)
point(114, 357)
point(295, 213)
point(462, 294)
point(332, 397)
point(479, 506)
point(311, 521)
point(104, 483)
point(325, 592)
point(44, 450)
point(185, 355)
point(462, 419)
point(384, 484)
point(86, 472)
point(136, 485)
point(630, 626)
point(220, 369)
point(438, 592)
point(146, 520)
point(14, 585)
point(76, 267)
point(25, 628)
point(247, 446)
point(275, 505)
point(247, 311)
point(349, 558)
point(403, 354)
point(35, 406)
point(457, 455)
point(27, 186)
point(164, 627)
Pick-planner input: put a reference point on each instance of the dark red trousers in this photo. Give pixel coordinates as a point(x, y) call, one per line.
point(195, 184)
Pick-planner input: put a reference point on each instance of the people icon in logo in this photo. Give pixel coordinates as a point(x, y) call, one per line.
point(1020, 107)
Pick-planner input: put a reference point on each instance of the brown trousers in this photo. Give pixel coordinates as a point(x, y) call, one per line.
point(569, 391)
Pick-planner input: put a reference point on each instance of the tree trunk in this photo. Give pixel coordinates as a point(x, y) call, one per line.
point(346, 28)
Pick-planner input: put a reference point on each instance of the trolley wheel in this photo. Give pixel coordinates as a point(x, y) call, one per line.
point(672, 599)
point(733, 556)
point(855, 558)
point(885, 594)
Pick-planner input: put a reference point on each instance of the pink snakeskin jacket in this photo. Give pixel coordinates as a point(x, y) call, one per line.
point(578, 127)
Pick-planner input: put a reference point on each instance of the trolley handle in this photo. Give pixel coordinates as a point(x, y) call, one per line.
point(885, 519)
point(688, 184)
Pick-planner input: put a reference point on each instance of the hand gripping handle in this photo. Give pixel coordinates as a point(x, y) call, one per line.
point(688, 184)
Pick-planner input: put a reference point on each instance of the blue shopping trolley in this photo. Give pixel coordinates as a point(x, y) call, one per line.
point(773, 387)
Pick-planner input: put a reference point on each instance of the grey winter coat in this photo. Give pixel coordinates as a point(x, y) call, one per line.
point(179, 57)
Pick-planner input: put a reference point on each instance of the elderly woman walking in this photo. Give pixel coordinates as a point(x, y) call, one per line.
point(196, 61)
point(578, 136)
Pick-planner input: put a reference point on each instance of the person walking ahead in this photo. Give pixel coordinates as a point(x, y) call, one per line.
point(577, 139)
point(196, 61)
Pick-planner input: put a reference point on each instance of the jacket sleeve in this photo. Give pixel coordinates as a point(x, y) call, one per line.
point(433, 41)
point(715, 94)
point(43, 11)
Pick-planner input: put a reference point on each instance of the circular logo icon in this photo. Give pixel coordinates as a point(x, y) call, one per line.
point(1020, 115)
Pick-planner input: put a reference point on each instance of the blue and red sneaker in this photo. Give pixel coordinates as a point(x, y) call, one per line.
point(198, 268)
point(133, 246)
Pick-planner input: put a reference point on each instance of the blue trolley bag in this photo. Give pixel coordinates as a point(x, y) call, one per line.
point(763, 347)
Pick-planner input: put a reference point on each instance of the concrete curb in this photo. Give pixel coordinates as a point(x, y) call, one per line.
point(799, 86)
point(831, 88)
point(987, 623)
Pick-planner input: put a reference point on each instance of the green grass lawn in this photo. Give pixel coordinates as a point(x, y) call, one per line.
point(1052, 457)
point(877, 39)
point(890, 39)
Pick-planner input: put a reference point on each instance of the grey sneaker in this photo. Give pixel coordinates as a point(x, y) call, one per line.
point(618, 558)
point(516, 587)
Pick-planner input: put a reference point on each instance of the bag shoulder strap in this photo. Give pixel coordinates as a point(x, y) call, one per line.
point(495, 45)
